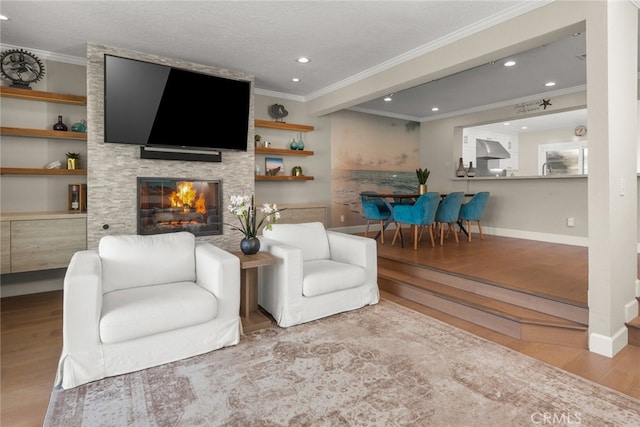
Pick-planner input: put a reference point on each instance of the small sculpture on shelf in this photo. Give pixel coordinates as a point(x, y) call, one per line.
point(257, 138)
point(278, 112)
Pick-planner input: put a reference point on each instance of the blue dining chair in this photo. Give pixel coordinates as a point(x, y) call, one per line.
point(447, 214)
point(472, 212)
point(374, 209)
point(419, 215)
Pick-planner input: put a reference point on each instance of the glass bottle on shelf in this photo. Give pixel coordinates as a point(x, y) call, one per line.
point(294, 144)
point(60, 126)
point(300, 142)
point(460, 172)
point(471, 172)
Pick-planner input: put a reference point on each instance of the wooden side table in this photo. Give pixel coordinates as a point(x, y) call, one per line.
point(251, 317)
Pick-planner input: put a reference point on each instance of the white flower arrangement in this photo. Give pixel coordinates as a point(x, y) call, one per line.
point(243, 208)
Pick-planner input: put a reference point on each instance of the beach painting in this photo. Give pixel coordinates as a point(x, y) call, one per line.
point(273, 166)
point(370, 153)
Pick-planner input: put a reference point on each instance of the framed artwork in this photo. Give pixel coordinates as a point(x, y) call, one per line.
point(273, 166)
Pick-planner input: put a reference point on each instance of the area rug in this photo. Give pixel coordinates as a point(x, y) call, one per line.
point(382, 365)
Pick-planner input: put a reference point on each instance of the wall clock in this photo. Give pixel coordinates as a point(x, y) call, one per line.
point(21, 67)
point(581, 130)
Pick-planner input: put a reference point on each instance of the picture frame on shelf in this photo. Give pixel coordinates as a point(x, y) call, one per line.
point(273, 166)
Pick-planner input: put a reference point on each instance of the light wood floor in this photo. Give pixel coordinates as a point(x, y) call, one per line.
point(31, 337)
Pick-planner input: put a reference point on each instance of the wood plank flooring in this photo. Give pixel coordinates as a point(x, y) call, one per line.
point(31, 336)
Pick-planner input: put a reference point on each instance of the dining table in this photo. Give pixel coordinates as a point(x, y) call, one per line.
point(392, 199)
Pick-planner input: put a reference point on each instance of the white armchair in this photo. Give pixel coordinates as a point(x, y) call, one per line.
point(142, 301)
point(318, 273)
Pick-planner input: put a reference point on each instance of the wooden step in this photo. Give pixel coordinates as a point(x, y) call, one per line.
point(553, 306)
point(634, 331)
point(504, 317)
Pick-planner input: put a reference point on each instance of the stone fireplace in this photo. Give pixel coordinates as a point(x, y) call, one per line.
point(168, 205)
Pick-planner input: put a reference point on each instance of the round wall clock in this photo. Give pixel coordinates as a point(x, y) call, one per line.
point(581, 130)
point(21, 67)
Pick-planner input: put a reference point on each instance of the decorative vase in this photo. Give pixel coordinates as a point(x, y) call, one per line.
point(72, 163)
point(460, 172)
point(471, 172)
point(81, 126)
point(422, 188)
point(250, 246)
point(294, 144)
point(60, 126)
point(300, 142)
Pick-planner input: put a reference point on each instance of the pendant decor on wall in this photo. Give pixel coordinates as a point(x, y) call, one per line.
point(21, 67)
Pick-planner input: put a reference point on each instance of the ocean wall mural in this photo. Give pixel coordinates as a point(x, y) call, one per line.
point(370, 153)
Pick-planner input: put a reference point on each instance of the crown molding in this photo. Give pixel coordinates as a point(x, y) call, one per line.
point(49, 56)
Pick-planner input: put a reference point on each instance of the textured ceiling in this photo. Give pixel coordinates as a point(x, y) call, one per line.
point(346, 40)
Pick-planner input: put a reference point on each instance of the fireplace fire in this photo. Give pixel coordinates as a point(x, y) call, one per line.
point(168, 205)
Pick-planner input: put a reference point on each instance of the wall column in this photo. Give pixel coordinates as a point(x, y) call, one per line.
point(612, 29)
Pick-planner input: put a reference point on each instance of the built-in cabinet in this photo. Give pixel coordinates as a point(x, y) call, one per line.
point(263, 152)
point(40, 240)
point(32, 241)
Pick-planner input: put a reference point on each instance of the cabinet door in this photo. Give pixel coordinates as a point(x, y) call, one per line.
point(46, 244)
point(5, 247)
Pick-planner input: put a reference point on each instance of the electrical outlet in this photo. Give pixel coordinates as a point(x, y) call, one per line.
point(341, 218)
point(571, 222)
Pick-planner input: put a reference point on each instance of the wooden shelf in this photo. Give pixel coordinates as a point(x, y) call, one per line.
point(36, 95)
point(283, 178)
point(283, 151)
point(283, 126)
point(42, 133)
point(41, 171)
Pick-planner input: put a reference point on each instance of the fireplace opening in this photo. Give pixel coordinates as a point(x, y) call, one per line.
point(168, 205)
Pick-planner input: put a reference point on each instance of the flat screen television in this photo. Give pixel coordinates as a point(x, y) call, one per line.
point(157, 105)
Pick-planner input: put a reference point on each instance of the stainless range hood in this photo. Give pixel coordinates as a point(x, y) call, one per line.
point(487, 149)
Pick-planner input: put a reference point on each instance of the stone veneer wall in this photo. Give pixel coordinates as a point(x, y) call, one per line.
point(113, 168)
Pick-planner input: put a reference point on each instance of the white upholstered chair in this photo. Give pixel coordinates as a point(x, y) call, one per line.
point(142, 301)
point(318, 273)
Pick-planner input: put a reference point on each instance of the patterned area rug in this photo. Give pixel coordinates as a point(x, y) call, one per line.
point(382, 365)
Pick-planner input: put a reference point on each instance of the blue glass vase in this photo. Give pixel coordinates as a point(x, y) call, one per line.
point(294, 144)
point(300, 142)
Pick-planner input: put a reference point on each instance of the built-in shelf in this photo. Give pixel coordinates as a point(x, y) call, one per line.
point(283, 151)
point(36, 95)
point(42, 133)
point(41, 171)
point(283, 126)
point(283, 178)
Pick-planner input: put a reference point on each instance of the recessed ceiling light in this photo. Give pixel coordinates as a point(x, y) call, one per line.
point(549, 84)
point(510, 63)
point(507, 124)
point(295, 79)
point(303, 60)
point(524, 127)
point(387, 98)
point(435, 109)
point(4, 18)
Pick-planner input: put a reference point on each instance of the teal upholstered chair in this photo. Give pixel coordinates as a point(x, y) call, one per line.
point(447, 214)
point(419, 215)
point(374, 209)
point(472, 212)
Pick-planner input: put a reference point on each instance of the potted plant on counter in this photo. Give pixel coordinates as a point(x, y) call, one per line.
point(423, 176)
